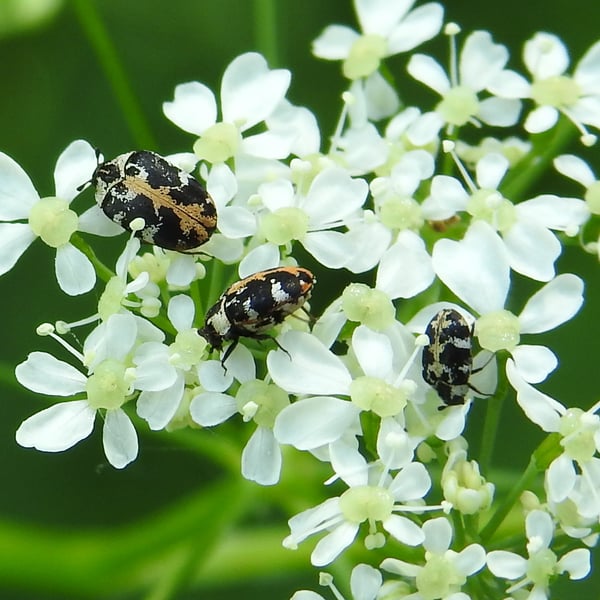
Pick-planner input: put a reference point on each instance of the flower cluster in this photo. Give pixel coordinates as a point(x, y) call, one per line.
point(434, 221)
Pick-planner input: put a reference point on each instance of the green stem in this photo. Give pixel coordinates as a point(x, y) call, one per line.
point(546, 147)
point(115, 73)
point(506, 506)
point(494, 407)
point(265, 30)
point(101, 269)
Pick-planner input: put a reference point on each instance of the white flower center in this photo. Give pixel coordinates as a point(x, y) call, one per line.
point(540, 566)
point(366, 502)
point(187, 349)
point(578, 429)
point(438, 578)
point(492, 207)
point(111, 298)
point(365, 56)
point(261, 401)
point(53, 221)
point(458, 106)
point(401, 213)
point(218, 143)
point(284, 225)
point(371, 393)
point(368, 306)
point(108, 387)
point(498, 330)
point(558, 91)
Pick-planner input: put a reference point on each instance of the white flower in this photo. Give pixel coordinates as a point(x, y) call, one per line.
point(481, 62)
point(554, 91)
point(382, 382)
point(27, 216)
point(578, 170)
point(372, 496)
point(526, 228)
point(388, 27)
point(113, 375)
point(543, 564)
point(310, 218)
point(255, 400)
point(445, 571)
point(477, 270)
point(575, 473)
point(250, 93)
point(158, 407)
point(365, 584)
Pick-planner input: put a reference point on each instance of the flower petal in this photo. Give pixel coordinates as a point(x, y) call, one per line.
point(314, 422)
point(74, 168)
point(365, 582)
point(534, 363)
point(373, 351)
point(482, 278)
point(45, 374)
point(15, 238)
point(250, 91)
point(307, 366)
point(545, 55)
point(507, 565)
point(181, 311)
point(576, 562)
point(532, 250)
point(17, 194)
point(119, 439)
point(411, 483)
point(491, 169)
point(182, 270)
point(554, 212)
point(210, 408)
point(158, 408)
point(404, 530)
point(420, 25)
point(575, 168)
point(261, 458)
point(428, 71)
point(334, 42)
point(74, 271)
point(438, 535)
point(406, 268)
point(470, 560)
point(58, 427)
point(560, 478)
point(193, 109)
point(541, 119)
point(322, 204)
point(557, 302)
point(265, 256)
point(541, 409)
point(480, 60)
point(333, 544)
point(330, 248)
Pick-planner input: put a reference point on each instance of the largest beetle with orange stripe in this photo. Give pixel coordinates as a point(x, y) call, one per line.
point(254, 304)
point(177, 212)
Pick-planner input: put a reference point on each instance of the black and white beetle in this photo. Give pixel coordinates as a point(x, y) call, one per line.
point(177, 211)
point(254, 304)
point(447, 359)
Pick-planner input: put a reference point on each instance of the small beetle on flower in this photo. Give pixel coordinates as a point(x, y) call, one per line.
point(177, 211)
point(254, 304)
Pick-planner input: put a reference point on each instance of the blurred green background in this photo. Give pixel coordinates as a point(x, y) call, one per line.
point(62, 513)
